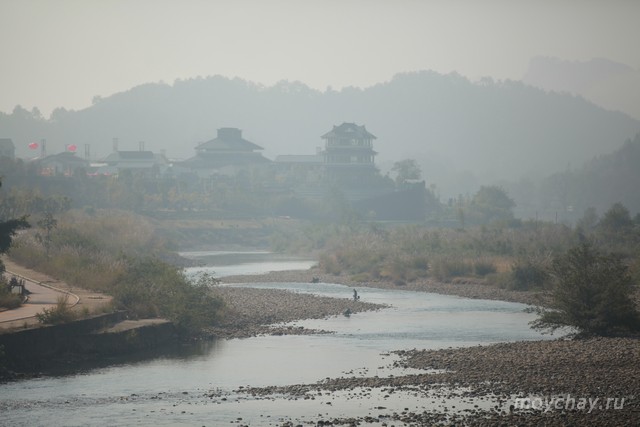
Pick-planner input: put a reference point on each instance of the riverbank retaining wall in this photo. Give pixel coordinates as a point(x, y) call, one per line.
point(32, 350)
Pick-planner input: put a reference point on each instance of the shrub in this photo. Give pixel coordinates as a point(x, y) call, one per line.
point(500, 280)
point(329, 264)
point(118, 254)
point(483, 268)
point(399, 282)
point(446, 268)
point(61, 313)
point(9, 300)
point(528, 274)
point(152, 288)
point(360, 277)
point(592, 293)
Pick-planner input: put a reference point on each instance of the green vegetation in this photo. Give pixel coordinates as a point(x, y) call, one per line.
point(118, 253)
point(152, 288)
point(592, 293)
point(408, 252)
point(406, 170)
point(7, 299)
point(515, 254)
point(8, 230)
point(61, 313)
point(592, 286)
point(528, 274)
point(491, 204)
point(9, 225)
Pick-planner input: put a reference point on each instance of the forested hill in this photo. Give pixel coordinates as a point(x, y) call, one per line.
point(462, 133)
point(605, 180)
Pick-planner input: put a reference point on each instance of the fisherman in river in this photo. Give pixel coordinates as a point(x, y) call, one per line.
point(356, 297)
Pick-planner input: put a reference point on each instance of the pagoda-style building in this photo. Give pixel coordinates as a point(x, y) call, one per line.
point(227, 154)
point(348, 154)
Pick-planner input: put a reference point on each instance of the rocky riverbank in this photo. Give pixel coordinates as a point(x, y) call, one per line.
point(251, 312)
point(592, 382)
point(467, 287)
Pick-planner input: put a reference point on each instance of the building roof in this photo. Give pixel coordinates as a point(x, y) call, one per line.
point(349, 130)
point(228, 139)
point(6, 143)
point(65, 157)
point(135, 159)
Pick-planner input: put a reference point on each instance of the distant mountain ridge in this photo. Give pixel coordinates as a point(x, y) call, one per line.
point(605, 180)
point(613, 85)
point(462, 133)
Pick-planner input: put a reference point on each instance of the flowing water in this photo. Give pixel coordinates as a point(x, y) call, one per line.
point(202, 384)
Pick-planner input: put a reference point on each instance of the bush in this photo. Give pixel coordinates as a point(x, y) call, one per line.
point(446, 268)
point(360, 277)
point(61, 313)
point(152, 288)
point(9, 300)
point(483, 268)
point(528, 274)
point(329, 264)
point(500, 280)
point(119, 254)
point(592, 293)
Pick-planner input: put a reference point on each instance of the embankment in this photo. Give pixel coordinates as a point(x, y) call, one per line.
point(37, 349)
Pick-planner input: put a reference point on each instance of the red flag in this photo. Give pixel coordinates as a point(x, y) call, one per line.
point(33, 145)
point(72, 147)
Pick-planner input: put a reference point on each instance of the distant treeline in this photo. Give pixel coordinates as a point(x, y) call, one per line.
point(515, 255)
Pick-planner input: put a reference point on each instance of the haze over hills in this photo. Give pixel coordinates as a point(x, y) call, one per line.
point(610, 84)
point(598, 183)
point(463, 134)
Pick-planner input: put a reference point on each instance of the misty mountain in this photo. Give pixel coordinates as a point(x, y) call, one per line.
point(463, 134)
point(599, 183)
point(609, 84)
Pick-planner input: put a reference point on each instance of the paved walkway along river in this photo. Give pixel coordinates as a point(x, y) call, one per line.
point(44, 292)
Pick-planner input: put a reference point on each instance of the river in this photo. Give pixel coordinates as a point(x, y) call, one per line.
point(202, 384)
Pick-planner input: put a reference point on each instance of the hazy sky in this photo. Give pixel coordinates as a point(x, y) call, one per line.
point(61, 53)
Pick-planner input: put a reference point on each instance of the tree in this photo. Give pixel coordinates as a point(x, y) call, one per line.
point(8, 229)
point(48, 223)
point(406, 170)
point(592, 293)
point(491, 203)
point(588, 220)
point(616, 218)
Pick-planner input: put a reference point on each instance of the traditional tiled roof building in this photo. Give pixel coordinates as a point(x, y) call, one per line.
point(135, 161)
point(65, 163)
point(226, 154)
point(348, 154)
point(349, 145)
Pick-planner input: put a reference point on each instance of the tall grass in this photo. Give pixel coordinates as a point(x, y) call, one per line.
point(405, 253)
point(119, 254)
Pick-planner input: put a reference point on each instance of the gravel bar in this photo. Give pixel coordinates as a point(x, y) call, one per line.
point(584, 370)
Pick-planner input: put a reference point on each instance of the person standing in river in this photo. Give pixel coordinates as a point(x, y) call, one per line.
point(355, 295)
